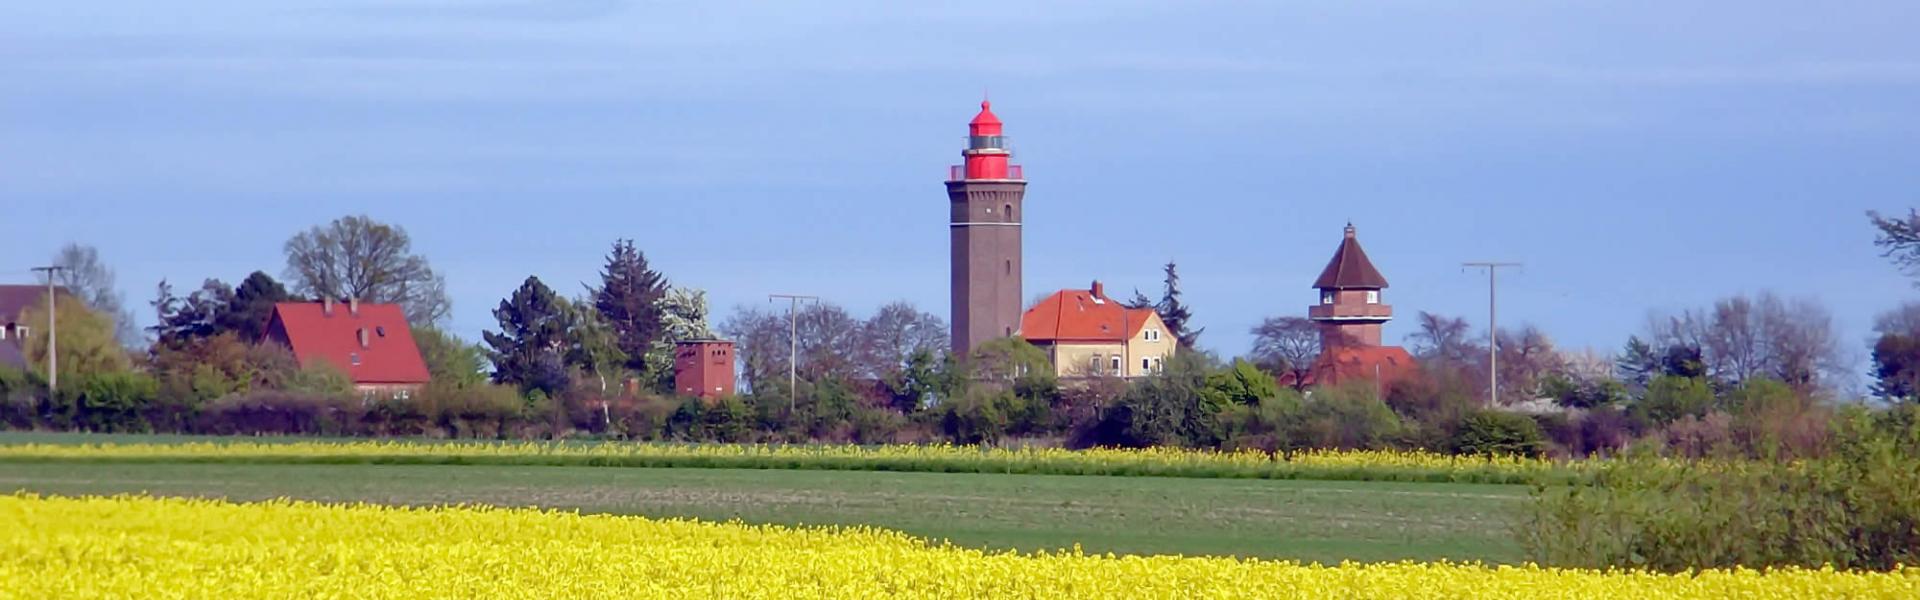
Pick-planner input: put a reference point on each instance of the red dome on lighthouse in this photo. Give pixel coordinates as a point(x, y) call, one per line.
point(985, 123)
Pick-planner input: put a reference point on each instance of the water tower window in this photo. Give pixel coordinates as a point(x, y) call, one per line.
point(1373, 296)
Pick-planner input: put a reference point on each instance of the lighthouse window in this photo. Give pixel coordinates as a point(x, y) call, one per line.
point(1008, 212)
point(1373, 296)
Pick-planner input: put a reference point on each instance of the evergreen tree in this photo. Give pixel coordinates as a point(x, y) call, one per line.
point(1139, 301)
point(628, 299)
point(529, 350)
point(1638, 363)
point(1175, 313)
point(251, 306)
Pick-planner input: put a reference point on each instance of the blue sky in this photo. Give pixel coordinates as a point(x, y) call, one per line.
point(1637, 156)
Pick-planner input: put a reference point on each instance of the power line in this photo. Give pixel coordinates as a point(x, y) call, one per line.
point(1493, 326)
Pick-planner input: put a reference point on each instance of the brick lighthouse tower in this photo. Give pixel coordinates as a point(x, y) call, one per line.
point(1350, 312)
point(985, 195)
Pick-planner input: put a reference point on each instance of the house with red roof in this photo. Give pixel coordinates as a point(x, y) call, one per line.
point(1351, 314)
point(371, 343)
point(1087, 334)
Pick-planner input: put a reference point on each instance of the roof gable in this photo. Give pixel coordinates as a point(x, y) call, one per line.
point(389, 355)
point(1075, 315)
point(16, 299)
point(1350, 268)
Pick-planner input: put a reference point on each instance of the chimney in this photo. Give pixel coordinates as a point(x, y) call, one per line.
point(365, 342)
point(1099, 290)
point(326, 306)
point(353, 306)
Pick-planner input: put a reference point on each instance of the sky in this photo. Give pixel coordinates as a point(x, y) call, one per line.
point(1637, 157)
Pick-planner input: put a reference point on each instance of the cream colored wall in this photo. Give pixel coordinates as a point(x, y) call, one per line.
point(1074, 359)
point(1140, 347)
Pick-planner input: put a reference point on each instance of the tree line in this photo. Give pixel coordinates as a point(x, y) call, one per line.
point(1751, 373)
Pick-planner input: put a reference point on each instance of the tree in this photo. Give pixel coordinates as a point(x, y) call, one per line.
point(197, 316)
point(1896, 354)
point(1242, 383)
point(251, 306)
point(895, 334)
point(1175, 313)
point(1444, 339)
point(683, 317)
point(1742, 337)
point(85, 276)
point(86, 340)
point(358, 257)
point(1289, 346)
point(451, 361)
point(1171, 408)
point(1139, 301)
point(628, 298)
point(760, 338)
point(1527, 357)
point(592, 344)
point(1638, 363)
point(1899, 240)
point(529, 350)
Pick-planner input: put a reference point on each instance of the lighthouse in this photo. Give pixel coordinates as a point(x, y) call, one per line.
point(985, 194)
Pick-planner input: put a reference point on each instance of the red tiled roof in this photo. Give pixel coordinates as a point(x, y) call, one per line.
point(389, 356)
point(1350, 268)
point(1082, 316)
point(1359, 363)
point(15, 299)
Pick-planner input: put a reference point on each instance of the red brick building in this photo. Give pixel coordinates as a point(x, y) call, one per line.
point(1352, 312)
point(371, 343)
point(703, 369)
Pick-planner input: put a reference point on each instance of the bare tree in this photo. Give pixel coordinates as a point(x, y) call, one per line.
point(895, 333)
point(1527, 357)
point(829, 341)
point(1742, 337)
point(90, 280)
point(1289, 346)
point(357, 257)
point(1443, 338)
point(1903, 319)
point(761, 339)
point(1899, 240)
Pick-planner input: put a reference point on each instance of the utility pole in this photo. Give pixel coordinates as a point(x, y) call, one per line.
point(793, 343)
point(53, 357)
point(1493, 326)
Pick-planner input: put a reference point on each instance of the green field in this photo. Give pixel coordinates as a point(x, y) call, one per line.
point(1307, 520)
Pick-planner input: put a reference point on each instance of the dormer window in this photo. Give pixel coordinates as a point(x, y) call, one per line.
point(1373, 296)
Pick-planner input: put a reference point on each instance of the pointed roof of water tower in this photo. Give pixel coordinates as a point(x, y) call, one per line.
point(985, 123)
point(1350, 268)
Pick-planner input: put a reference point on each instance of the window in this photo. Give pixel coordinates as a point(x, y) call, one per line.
point(380, 330)
point(1009, 266)
point(20, 332)
point(1094, 369)
point(354, 357)
point(1146, 366)
point(1151, 335)
point(1157, 366)
point(1326, 297)
point(1116, 365)
point(402, 394)
point(1007, 212)
point(1373, 296)
point(3, 333)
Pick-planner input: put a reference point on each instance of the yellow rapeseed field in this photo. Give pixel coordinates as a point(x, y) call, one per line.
point(1148, 461)
point(136, 547)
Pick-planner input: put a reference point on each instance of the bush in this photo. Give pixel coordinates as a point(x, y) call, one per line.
point(1270, 426)
point(1669, 398)
point(1499, 433)
point(480, 410)
point(281, 413)
point(1855, 509)
point(1347, 417)
point(106, 402)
